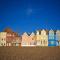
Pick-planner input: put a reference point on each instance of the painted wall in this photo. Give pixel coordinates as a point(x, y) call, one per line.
point(42, 39)
point(32, 39)
point(28, 40)
point(3, 38)
point(51, 40)
point(25, 41)
point(38, 38)
point(58, 38)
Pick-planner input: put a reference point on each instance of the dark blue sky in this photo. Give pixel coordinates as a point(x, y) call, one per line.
point(29, 15)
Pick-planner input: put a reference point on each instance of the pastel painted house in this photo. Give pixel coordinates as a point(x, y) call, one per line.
point(9, 39)
point(32, 39)
point(28, 39)
point(16, 41)
point(42, 38)
point(10, 36)
point(3, 38)
point(58, 38)
point(24, 39)
point(13, 39)
point(51, 40)
point(38, 38)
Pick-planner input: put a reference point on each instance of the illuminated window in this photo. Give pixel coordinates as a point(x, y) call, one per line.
point(52, 42)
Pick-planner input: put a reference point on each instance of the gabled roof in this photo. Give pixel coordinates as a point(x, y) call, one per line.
point(32, 34)
point(53, 31)
point(25, 33)
point(47, 31)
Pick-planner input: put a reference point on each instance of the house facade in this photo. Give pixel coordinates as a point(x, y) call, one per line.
point(9, 39)
point(28, 39)
point(25, 39)
point(42, 38)
point(16, 41)
point(58, 38)
point(51, 40)
point(38, 38)
point(12, 38)
point(3, 38)
point(32, 39)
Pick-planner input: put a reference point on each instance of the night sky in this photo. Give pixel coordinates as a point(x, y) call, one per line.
point(29, 15)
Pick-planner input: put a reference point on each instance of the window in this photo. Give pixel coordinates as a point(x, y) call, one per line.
point(51, 37)
point(2, 39)
point(44, 41)
point(31, 43)
point(24, 43)
point(2, 44)
point(49, 42)
point(41, 42)
point(52, 42)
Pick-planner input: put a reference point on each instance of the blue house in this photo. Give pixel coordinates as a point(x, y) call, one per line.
point(51, 38)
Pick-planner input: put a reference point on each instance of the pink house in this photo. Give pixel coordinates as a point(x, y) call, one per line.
point(28, 40)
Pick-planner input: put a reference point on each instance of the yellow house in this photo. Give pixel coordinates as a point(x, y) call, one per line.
point(38, 38)
point(42, 38)
point(3, 38)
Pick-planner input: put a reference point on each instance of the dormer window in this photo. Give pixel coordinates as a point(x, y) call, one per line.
point(2, 39)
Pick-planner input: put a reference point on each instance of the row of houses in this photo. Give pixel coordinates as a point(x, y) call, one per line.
point(9, 38)
point(39, 38)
